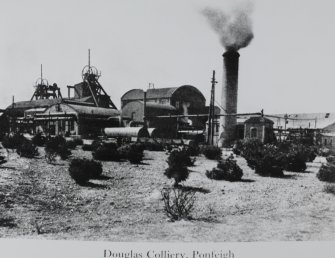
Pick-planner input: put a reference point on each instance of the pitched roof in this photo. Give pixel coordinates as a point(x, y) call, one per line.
point(305, 120)
point(301, 120)
point(39, 103)
point(258, 119)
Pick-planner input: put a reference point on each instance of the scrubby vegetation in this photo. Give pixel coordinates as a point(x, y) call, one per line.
point(193, 149)
point(181, 158)
point(227, 169)
point(39, 139)
point(272, 159)
point(82, 170)
point(27, 149)
point(132, 152)
point(178, 203)
point(56, 146)
point(178, 162)
point(2, 158)
point(107, 152)
point(92, 147)
point(13, 141)
point(329, 188)
point(326, 173)
point(266, 159)
point(211, 152)
point(154, 146)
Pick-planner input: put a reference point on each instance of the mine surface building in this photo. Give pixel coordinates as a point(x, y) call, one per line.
point(86, 113)
point(183, 101)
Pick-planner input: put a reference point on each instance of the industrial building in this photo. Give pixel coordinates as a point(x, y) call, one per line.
point(170, 110)
point(86, 113)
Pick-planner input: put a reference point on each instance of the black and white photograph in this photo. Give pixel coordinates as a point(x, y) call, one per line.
point(157, 121)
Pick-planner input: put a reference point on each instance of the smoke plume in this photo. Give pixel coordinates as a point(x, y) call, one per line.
point(234, 29)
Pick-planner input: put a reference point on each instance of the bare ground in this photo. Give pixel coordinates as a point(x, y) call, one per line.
point(41, 201)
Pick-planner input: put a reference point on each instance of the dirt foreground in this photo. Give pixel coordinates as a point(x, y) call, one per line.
point(41, 201)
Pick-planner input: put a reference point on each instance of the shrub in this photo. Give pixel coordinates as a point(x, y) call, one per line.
point(178, 203)
point(39, 139)
point(82, 170)
point(92, 147)
point(63, 152)
point(212, 152)
point(250, 149)
point(331, 159)
point(178, 173)
point(13, 141)
point(78, 141)
point(227, 169)
point(154, 146)
point(27, 149)
point(266, 159)
point(329, 188)
point(133, 152)
point(106, 152)
point(180, 158)
point(54, 142)
point(326, 173)
point(193, 149)
point(271, 162)
point(71, 144)
point(56, 147)
point(2, 158)
point(297, 155)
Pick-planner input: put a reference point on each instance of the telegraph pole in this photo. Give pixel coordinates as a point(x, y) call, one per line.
point(211, 113)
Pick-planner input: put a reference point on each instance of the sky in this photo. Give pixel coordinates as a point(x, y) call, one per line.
point(287, 68)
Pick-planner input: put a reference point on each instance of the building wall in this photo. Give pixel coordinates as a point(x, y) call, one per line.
point(328, 141)
point(261, 131)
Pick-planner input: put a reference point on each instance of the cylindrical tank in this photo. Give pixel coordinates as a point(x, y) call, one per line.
point(229, 95)
point(126, 132)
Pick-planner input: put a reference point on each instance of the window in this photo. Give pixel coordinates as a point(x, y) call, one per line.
point(253, 132)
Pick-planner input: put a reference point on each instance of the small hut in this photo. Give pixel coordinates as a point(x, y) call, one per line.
point(259, 128)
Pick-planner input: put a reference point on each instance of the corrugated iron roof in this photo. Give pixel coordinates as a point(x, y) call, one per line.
point(35, 103)
point(258, 119)
point(136, 94)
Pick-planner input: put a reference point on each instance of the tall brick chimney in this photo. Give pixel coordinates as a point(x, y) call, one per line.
point(229, 96)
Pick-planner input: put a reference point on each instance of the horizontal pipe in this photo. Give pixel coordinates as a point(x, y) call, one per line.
point(203, 115)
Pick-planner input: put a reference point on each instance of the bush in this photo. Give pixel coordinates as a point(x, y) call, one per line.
point(152, 145)
point(27, 149)
point(92, 147)
point(180, 158)
point(71, 144)
point(192, 149)
point(106, 152)
point(133, 152)
point(178, 203)
point(82, 170)
point(78, 141)
point(326, 173)
point(329, 188)
point(56, 147)
point(227, 169)
point(39, 139)
point(297, 155)
point(2, 158)
point(13, 141)
point(178, 173)
point(271, 162)
point(212, 152)
point(331, 159)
